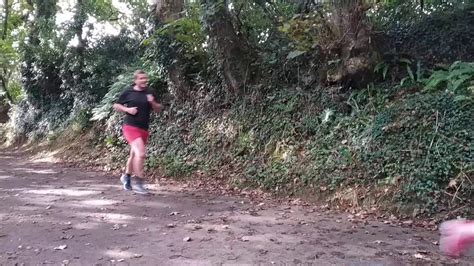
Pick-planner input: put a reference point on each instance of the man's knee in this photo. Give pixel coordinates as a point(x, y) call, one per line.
point(139, 149)
point(140, 154)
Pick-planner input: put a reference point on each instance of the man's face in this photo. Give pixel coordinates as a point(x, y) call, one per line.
point(141, 80)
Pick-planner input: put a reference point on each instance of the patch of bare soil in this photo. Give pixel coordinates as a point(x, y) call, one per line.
point(51, 214)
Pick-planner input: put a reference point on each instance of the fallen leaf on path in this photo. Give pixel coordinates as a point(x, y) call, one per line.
point(67, 237)
point(137, 256)
point(245, 238)
point(263, 251)
point(187, 239)
point(452, 183)
point(61, 247)
point(420, 256)
point(171, 225)
point(116, 227)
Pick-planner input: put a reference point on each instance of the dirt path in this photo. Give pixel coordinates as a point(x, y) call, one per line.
point(55, 215)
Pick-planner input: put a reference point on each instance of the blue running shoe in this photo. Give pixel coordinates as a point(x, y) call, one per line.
point(139, 188)
point(126, 181)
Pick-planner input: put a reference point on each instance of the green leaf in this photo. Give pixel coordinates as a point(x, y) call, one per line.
point(460, 81)
point(406, 61)
point(418, 71)
point(294, 54)
point(379, 66)
point(410, 73)
point(460, 98)
point(403, 81)
point(385, 70)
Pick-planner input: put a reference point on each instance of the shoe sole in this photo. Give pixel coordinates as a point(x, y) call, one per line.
point(141, 192)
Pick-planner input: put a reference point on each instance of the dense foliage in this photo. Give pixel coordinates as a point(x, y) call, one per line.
point(313, 97)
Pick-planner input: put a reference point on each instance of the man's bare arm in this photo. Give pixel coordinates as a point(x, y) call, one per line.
point(124, 109)
point(156, 106)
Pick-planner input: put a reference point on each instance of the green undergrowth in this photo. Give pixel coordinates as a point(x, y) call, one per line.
point(414, 146)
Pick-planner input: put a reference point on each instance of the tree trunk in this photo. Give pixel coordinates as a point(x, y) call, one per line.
point(4, 109)
point(5, 88)
point(4, 75)
point(5, 105)
point(80, 20)
point(354, 46)
point(231, 49)
point(167, 11)
point(5, 22)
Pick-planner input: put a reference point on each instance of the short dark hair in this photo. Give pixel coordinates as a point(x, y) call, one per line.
point(138, 72)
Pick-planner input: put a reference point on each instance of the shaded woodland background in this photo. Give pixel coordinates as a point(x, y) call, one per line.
point(359, 103)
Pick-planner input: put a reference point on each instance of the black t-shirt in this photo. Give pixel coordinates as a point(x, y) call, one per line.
point(134, 98)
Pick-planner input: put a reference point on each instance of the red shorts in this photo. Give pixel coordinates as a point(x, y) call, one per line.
point(131, 133)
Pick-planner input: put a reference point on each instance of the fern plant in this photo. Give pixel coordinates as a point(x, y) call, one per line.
point(457, 79)
point(103, 109)
point(383, 68)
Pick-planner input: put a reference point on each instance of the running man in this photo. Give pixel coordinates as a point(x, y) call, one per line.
point(137, 102)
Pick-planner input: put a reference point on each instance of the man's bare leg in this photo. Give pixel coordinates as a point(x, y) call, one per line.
point(126, 178)
point(138, 161)
point(129, 166)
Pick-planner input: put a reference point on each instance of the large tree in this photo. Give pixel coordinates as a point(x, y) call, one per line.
point(11, 19)
point(229, 45)
point(13, 15)
point(167, 12)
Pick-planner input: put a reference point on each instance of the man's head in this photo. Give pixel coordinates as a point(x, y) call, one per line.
point(140, 79)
